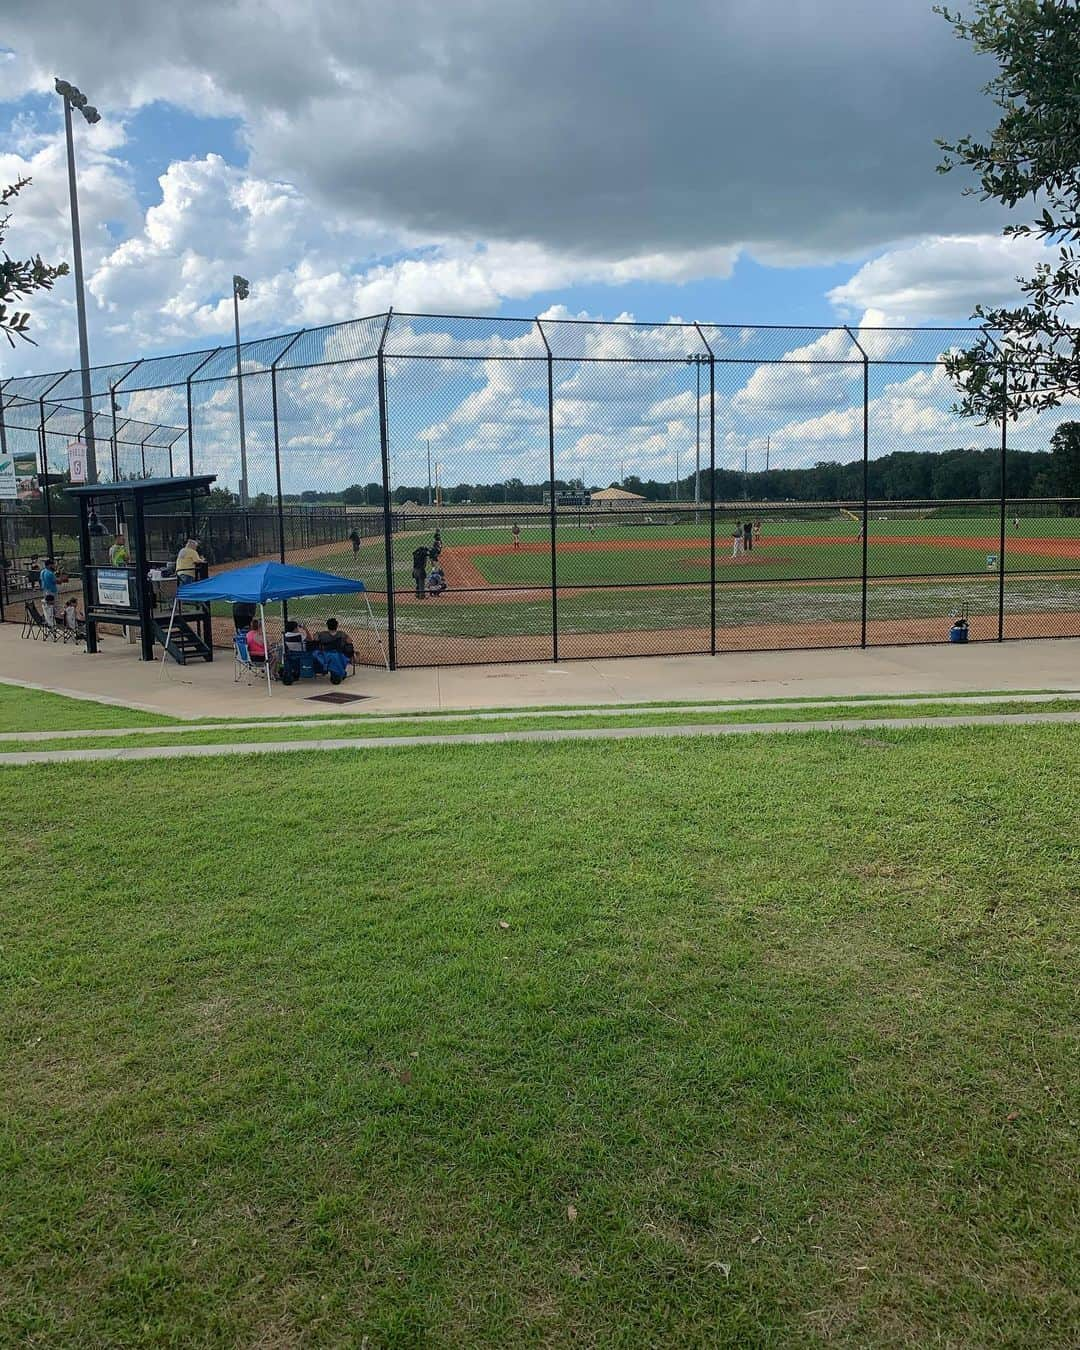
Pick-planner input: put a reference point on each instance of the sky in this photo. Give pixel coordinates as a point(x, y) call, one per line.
point(715, 162)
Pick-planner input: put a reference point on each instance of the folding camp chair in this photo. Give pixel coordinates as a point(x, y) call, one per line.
point(244, 662)
point(38, 628)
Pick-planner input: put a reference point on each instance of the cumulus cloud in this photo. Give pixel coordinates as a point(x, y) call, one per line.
point(592, 130)
point(943, 276)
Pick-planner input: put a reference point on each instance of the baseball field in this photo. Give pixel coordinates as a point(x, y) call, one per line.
point(630, 586)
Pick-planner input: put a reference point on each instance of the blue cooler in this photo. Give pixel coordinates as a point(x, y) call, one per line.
point(959, 631)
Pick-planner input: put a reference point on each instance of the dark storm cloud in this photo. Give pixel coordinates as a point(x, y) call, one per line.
point(609, 128)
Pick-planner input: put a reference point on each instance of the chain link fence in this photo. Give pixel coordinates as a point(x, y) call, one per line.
point(544, 489)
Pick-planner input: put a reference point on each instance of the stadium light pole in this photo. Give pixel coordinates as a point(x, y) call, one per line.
point(697, 360)
point(240, 291)
point(75, 98)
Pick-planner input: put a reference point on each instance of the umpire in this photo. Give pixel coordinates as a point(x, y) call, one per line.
point(419, 569)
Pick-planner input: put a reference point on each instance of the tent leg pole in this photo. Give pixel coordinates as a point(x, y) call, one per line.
point(375, 629)
point(266, 649)
point(168, 639)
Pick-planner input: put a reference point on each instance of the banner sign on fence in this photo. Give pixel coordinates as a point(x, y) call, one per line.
point(114, 587)
point(76, 452)
point(9, 487)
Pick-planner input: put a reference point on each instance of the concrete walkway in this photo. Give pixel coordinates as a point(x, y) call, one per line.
point(115, 675)
point(509, 737)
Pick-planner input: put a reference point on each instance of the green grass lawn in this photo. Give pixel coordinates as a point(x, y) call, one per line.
point(37, 710)
point(666, 1044)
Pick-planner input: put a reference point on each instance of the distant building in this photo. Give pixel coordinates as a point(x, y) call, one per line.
point(616, 497)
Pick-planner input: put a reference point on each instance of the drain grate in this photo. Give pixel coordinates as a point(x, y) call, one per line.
point(336, 698)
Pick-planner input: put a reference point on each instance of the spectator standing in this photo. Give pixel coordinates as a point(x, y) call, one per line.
point(243, 611)
point(47, 579)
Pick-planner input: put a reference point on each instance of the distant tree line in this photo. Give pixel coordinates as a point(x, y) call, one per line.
point(904, 475)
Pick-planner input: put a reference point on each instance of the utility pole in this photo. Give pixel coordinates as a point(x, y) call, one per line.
point(75, 98)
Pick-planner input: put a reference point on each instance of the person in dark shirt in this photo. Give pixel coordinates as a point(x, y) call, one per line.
point(748, 536)
point(354, 539)
point(242, 614)
point(419, 570)
point(332, 639)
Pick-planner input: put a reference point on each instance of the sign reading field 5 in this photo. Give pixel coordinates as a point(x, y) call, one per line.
point(9, 487)
point(114, 587)
point(77, 462)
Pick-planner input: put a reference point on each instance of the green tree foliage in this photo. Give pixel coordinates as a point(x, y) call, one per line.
point(1031, 157)
point(20, 277)
point(1065, 460)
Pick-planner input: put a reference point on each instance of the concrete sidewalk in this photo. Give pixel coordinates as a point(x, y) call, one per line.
point(115, 675)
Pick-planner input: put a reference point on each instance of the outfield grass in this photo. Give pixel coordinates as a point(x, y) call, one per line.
point(687, 556)
point(1037, 584)
point(392, 728)
point(670, 1044)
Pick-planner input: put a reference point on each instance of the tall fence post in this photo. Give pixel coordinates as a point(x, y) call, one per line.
point(865, 517)
point(191, 435)
point(45, 462)
point(1004, 485)
point(388, 522)
point(712, 488)
point(277, 445)
point(552, 513)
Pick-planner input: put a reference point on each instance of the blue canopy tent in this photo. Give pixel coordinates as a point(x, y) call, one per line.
point(267, 581)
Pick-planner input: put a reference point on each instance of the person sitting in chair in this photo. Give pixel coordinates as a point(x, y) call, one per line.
point(188, 561)
point(256, 642)
point(73, 620)
point(436, 582)
point(332, 639)
point(296, 638)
